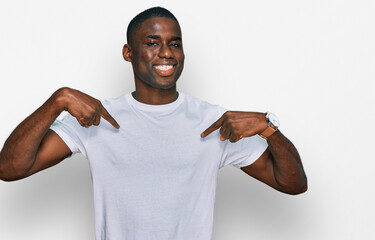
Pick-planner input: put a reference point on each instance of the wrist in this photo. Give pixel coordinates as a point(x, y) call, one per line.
point(61, 99)
point(263, 122)
point(272, 125)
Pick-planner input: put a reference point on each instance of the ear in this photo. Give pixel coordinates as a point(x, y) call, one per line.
point(127, 53)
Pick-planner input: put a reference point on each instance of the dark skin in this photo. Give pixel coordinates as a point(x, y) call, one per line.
point(32, 147)
point(279, 166)
point(159, 42)
point(157, 58)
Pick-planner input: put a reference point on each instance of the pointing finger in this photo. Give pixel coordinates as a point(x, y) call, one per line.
point(109, 118)
point(216, 125)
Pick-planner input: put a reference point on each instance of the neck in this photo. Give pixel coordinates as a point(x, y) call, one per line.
point(155, 96)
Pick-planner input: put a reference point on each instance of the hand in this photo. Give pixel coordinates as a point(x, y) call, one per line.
point(236, 125)
point(86, 109)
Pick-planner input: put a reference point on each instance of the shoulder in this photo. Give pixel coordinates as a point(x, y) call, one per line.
point(116, 104)
point(195, 103)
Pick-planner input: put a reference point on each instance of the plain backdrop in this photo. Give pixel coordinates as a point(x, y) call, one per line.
point(310, 62)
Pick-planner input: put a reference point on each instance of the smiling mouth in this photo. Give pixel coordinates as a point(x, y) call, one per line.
point(164, 70)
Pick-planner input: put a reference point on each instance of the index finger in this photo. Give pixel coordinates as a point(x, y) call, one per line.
point(216, 125)
point(109, 118)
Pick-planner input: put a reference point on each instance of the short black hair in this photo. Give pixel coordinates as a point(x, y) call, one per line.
point(137, 21)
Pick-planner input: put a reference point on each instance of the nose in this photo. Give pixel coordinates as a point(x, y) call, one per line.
point(165, 51)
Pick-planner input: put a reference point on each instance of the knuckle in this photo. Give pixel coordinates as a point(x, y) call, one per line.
point(228, 113)
point(96, 108)
point(81, 120)
point(222, 131)
point(87, 116)
point(97, 121)
point(99, 105)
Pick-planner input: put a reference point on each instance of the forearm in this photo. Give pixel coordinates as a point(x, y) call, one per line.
point(287, 165)
point(20, 149)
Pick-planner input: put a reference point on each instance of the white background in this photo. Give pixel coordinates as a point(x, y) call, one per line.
point(310, 62)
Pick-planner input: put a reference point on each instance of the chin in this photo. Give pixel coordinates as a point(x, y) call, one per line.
point(163, 84)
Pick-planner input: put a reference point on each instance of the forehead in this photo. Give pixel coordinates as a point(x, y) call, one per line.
point(158, 26)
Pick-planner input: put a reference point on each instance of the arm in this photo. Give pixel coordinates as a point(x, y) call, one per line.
point(279, 166)
point(33, 147)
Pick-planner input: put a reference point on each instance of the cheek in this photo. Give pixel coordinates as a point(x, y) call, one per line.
point(147, 56)
point(180, 56)
point(142, 61)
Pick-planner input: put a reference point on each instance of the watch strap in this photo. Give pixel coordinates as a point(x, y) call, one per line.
point(267, 132)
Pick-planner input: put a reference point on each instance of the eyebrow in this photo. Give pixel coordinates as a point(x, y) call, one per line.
point(175, 38)
point(153, 36)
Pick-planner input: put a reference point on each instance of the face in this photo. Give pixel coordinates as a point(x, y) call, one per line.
point(156, 52)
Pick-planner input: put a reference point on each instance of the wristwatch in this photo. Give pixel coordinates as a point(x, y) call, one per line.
point(273, 125)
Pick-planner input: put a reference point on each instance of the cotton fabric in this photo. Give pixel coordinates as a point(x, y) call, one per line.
point(155, 177)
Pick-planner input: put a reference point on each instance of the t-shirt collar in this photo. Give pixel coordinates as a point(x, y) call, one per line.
point(155, 108)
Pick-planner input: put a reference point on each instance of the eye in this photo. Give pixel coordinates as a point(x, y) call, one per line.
point(176, 45)
point(152, 44)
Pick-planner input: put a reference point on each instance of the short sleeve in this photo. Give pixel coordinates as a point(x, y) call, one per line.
point(72, 133)
point(244, 152)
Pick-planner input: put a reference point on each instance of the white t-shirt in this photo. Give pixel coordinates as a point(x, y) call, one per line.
point(155, 177)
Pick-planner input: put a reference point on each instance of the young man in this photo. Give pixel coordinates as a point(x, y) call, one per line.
point(155, 177)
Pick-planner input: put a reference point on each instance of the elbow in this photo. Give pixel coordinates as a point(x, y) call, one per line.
point(303, 185)
point(296, 184)
point(2, 172)
point(3, 176)
point(8, 173)
point(293, 187)
point(304, 189)
point(8, 178)
point(299, 190)
point(5, 179)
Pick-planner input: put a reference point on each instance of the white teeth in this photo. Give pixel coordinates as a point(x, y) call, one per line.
point(164, 67)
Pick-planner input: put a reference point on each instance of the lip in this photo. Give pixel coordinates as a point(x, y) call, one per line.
point(164, 69)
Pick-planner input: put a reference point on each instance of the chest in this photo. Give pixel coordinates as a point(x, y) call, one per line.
point(172, 150)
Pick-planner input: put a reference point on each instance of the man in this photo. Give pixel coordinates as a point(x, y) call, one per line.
point(155, 177)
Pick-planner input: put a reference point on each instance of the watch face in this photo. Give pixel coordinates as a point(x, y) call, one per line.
point(274, 120)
